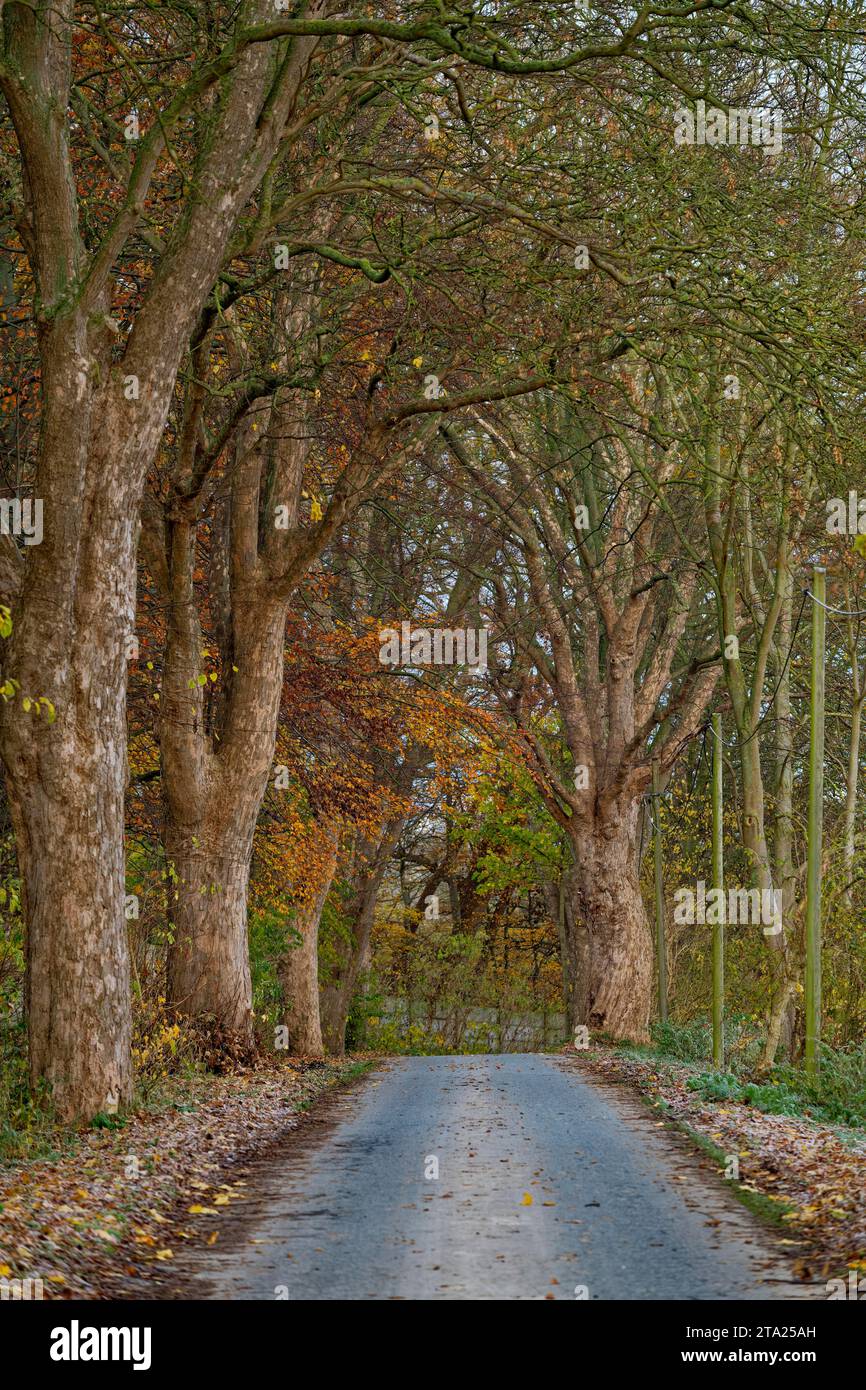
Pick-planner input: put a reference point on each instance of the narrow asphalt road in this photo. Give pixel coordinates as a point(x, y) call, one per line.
point(620, 1209)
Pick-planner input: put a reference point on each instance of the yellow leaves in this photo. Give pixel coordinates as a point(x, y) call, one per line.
point(316, 510)
point(196, 1210)
point(804, 1214)
point(164, 1255)
point(5, 1271)
point(213, 1238)
point(526, 1200)
point(417, 361)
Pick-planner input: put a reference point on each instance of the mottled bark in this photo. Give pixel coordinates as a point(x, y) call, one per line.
point(607, 898)
point(213, 790)
point(66, 779)
point(208, 963)
point(102, 418)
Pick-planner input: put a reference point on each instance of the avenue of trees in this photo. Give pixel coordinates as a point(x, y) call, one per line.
point(315, 324)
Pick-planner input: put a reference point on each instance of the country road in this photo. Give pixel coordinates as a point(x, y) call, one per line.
point(620, 1207)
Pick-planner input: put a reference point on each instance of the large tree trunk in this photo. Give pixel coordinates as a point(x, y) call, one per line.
point(66, 784)
point(74, 611)
point(213, 789)
point(67, 779)
point(218, 742)
point(300, 966)
point(608, 900)
point(208, 964)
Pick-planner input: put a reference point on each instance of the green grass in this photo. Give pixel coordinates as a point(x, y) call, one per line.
point(836, 1097)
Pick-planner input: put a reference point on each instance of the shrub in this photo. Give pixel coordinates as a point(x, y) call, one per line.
point(690, 1042)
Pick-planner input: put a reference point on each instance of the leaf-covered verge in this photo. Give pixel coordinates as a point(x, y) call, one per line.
point(121, 1200)
point(808, 1176)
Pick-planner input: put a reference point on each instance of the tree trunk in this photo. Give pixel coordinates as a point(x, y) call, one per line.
point(66, 791)
point(562, 907)
point(67, 779)
point(299, 972)
point(208, 964)
point(755, 844)
point(337, 995)
point(607, 898)
point(212, 791)
point(858, 696)
point(850, 821)
point(780, 1030)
